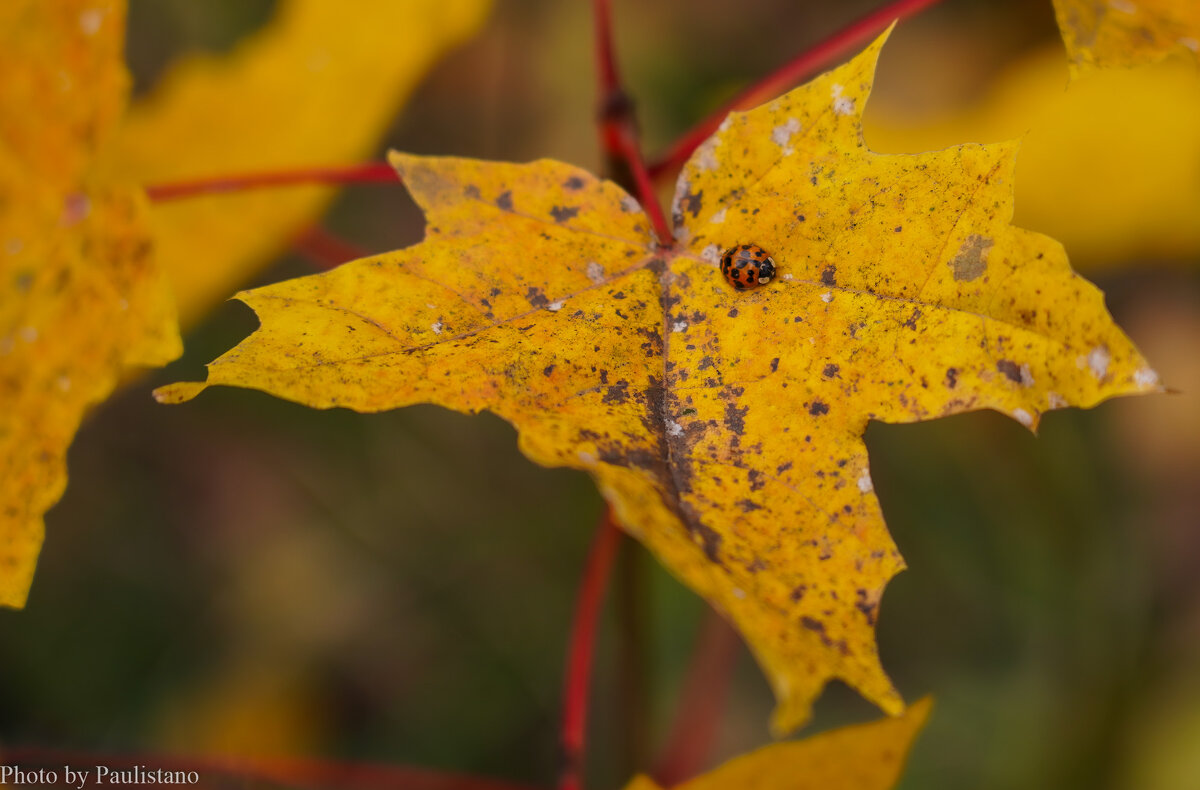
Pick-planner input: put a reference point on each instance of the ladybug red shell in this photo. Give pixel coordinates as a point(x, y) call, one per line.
point(747, 266)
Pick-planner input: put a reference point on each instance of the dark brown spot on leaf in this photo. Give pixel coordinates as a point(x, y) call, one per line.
point(536, 298)
point(1010, 369)
point(564, 213)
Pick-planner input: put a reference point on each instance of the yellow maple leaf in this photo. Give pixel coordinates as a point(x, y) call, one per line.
point(315, 87)
point(1076, 148)
point(81, 300)
point(725, 427)
point(1100, 33)
point(859, 757)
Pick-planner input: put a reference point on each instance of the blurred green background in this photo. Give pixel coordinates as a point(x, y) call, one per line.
point(240, 575)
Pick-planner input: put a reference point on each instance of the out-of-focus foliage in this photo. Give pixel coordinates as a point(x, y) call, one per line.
point(318, 86)
point(861, 757)
point(1107, 165)
point(1101, 33)
point(81, 298)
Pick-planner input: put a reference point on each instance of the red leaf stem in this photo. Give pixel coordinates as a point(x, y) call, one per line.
point(618, 127)
point(577, 682)
point(370, 172)
point(701, 702)
point(325, 249)
point(800, 67)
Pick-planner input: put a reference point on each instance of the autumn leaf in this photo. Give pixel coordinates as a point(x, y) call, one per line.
point(319, 85)
point(1075, 148)
point(860, 757)
point(82, 300)
point(1100, 33)
point(725, 427)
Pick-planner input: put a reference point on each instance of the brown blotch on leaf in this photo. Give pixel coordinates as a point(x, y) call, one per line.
point(1010, 369)
point(574, 182)
point(564, 213)
point(830, 370)
point(536, 298)
point(818, 408)
point(617, 393)
point(829, 275)
point(504, 201)
point(951, 377)
point(692, 202)
point(971, 261)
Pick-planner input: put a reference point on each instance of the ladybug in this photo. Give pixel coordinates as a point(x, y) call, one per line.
point(747, 266)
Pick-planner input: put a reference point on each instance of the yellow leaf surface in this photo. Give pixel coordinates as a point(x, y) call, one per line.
point(725, 427)
point(1135, 128)
point(1101, 33)
point(859, 757)
point(318, 86)
point(80, 298)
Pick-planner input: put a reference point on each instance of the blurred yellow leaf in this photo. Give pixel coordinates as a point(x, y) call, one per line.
point(1101, 33)
point(1107, 167)
point(318, 86)
point(860, 757)
point(725, 426)
point(81, 300)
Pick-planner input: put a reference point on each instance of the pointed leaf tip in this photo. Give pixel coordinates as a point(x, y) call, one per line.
point(180, 392)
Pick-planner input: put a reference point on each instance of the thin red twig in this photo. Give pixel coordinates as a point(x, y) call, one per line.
point(577, 682)
point(371, 172)
point(325, 249)
point(803, 65)
point(236, 771)
point(701, 702)
point(618, 127)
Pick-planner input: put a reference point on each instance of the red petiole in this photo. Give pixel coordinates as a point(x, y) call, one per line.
point(789, 74)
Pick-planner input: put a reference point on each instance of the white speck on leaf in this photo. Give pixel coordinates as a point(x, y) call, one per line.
point(1145, 377)
point(437, 328)
point(841, 104)
point(674, 428)
point(827, 297)
point(789, 277)
point(587, 458)
point(1026, 376)
point(1023, 417)
point(711, 253)
point(1190, 43)
point(595, 272)
point(706, 155)
point(1098, 359)
point(679, 326)
point(864, 482)
point(1056, 401)
point(64, 383)
point(719, 217)
point(781, 135)
point(739, 593)
point(554, 307)
point(631, 205)
point(1124, 6)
